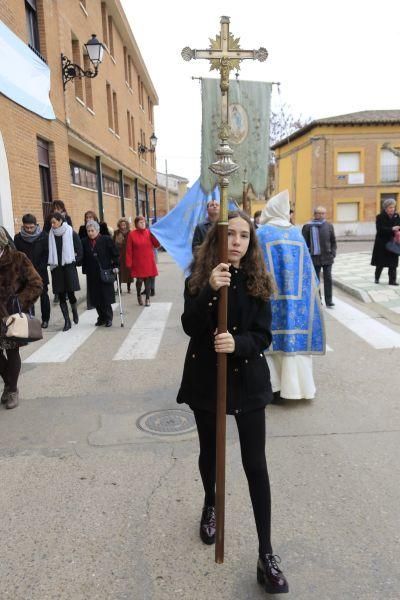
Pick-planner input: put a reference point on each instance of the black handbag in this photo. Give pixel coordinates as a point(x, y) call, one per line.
point(106, 275)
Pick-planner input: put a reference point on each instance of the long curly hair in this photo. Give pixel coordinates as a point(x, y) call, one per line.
point(259, 282)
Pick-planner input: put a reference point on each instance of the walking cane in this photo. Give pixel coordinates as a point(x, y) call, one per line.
point(121, 315)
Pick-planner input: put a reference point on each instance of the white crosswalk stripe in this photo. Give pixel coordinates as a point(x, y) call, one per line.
point(368, 328)
point(63, 345)
point(144, 338)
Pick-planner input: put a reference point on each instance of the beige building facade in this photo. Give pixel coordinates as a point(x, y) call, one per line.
point(346, 163)
point(96, 154)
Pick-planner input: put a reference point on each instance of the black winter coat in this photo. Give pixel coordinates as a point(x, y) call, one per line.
point(65, 278)
point(384, 233)
point(106, 253)
point(249, 321)
point(37, 252)
point(327, 243)
point(200, 233)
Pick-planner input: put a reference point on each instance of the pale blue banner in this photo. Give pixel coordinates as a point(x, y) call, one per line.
point(24, 77)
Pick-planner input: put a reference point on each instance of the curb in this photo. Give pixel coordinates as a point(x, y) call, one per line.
point(352, 291)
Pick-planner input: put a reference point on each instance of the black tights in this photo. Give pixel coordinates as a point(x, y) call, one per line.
point(63, 297)
point(251, 428)
point(147, 286)
point(10, 368)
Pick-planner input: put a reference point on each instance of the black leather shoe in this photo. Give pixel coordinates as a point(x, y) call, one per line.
point(108, 323)
point(270, 575)
point(99, 323)
point(330, 305)
point(45, 324)
point(207, 525)
point(393, 283)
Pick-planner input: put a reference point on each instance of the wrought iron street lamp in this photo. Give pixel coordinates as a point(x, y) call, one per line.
point(142, 149)
point(70, 70)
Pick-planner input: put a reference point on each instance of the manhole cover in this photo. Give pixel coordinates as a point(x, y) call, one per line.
point(167, 422)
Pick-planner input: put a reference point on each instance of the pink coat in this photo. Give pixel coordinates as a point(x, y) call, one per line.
point(140, 253)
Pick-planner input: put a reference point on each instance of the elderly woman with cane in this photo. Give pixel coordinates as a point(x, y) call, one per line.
point(248, 382)
point(19, 282)
point(100, 263)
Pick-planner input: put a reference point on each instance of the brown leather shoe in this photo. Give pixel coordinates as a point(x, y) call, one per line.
point(4, 396)
point(207, 525)
point(12, 399)
point(270, 575)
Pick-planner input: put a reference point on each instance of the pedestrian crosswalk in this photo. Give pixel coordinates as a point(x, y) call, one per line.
point(142, 341)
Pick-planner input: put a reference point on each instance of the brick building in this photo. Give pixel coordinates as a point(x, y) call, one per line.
point(170, 190)
point(95, 154)
point(347, 163)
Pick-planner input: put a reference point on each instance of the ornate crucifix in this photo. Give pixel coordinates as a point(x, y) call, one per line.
point(224, 55)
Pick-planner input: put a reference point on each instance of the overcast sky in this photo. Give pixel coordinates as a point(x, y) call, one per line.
point(331, 58)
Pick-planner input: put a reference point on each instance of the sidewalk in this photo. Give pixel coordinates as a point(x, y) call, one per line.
point(353, 273)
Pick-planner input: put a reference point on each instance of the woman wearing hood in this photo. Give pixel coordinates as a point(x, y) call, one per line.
point(297, 324)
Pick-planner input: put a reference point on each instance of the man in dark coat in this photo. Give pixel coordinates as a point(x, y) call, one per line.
point(34, 242)
point(99, 252)
point(202, 228)
point(387, 222)
point(321, 242)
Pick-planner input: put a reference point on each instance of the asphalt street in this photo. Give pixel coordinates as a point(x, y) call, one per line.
point(95, 508)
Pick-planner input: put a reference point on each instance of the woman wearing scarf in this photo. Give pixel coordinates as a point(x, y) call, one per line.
point(297, 324)
point(387, 224)
point(140, 257)
point(18, 279)
point(65, 251)
point(120, 239)
point(99, 252)
point(34, 242)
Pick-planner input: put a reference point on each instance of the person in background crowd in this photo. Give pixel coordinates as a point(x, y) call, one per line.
point(321, 242)
point(201, 229)
point(292, 216)
point(59, 207)
point(99, 252)
point(65, 252)
point(34, 242)
point(248, 382)
point(18, 280)
point(387, 223)
point(140, 258)
point(256, 219)
point(297, 323)
point(120, 238)
point(90, 215)
point(8, 236)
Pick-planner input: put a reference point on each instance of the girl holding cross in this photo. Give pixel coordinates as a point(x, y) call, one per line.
point(248, 381)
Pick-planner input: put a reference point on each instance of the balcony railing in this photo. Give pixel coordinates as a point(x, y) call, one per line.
point(390, 173)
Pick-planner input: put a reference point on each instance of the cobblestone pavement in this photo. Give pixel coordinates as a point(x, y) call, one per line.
point(353, 273)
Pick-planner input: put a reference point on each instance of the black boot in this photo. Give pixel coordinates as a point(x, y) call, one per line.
point(207, 525)
point(75, 315)
point(64, 310)
point(270, 575)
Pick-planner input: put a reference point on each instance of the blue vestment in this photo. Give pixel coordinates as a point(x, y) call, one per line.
point(297, 321)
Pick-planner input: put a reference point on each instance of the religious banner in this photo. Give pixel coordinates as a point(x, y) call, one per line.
point(249, 115)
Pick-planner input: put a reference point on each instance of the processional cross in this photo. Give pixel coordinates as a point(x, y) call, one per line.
point(224, 55)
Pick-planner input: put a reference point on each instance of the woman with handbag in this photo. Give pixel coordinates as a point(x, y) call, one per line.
point(120, 239)
point(100, 263)
point(387, 224)
point(65, 252)
point(140, 258)
point(248, 383)
point(19, 284)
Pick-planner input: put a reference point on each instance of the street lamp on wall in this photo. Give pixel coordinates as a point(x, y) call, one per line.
point(142, 149)
point(70, 70)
